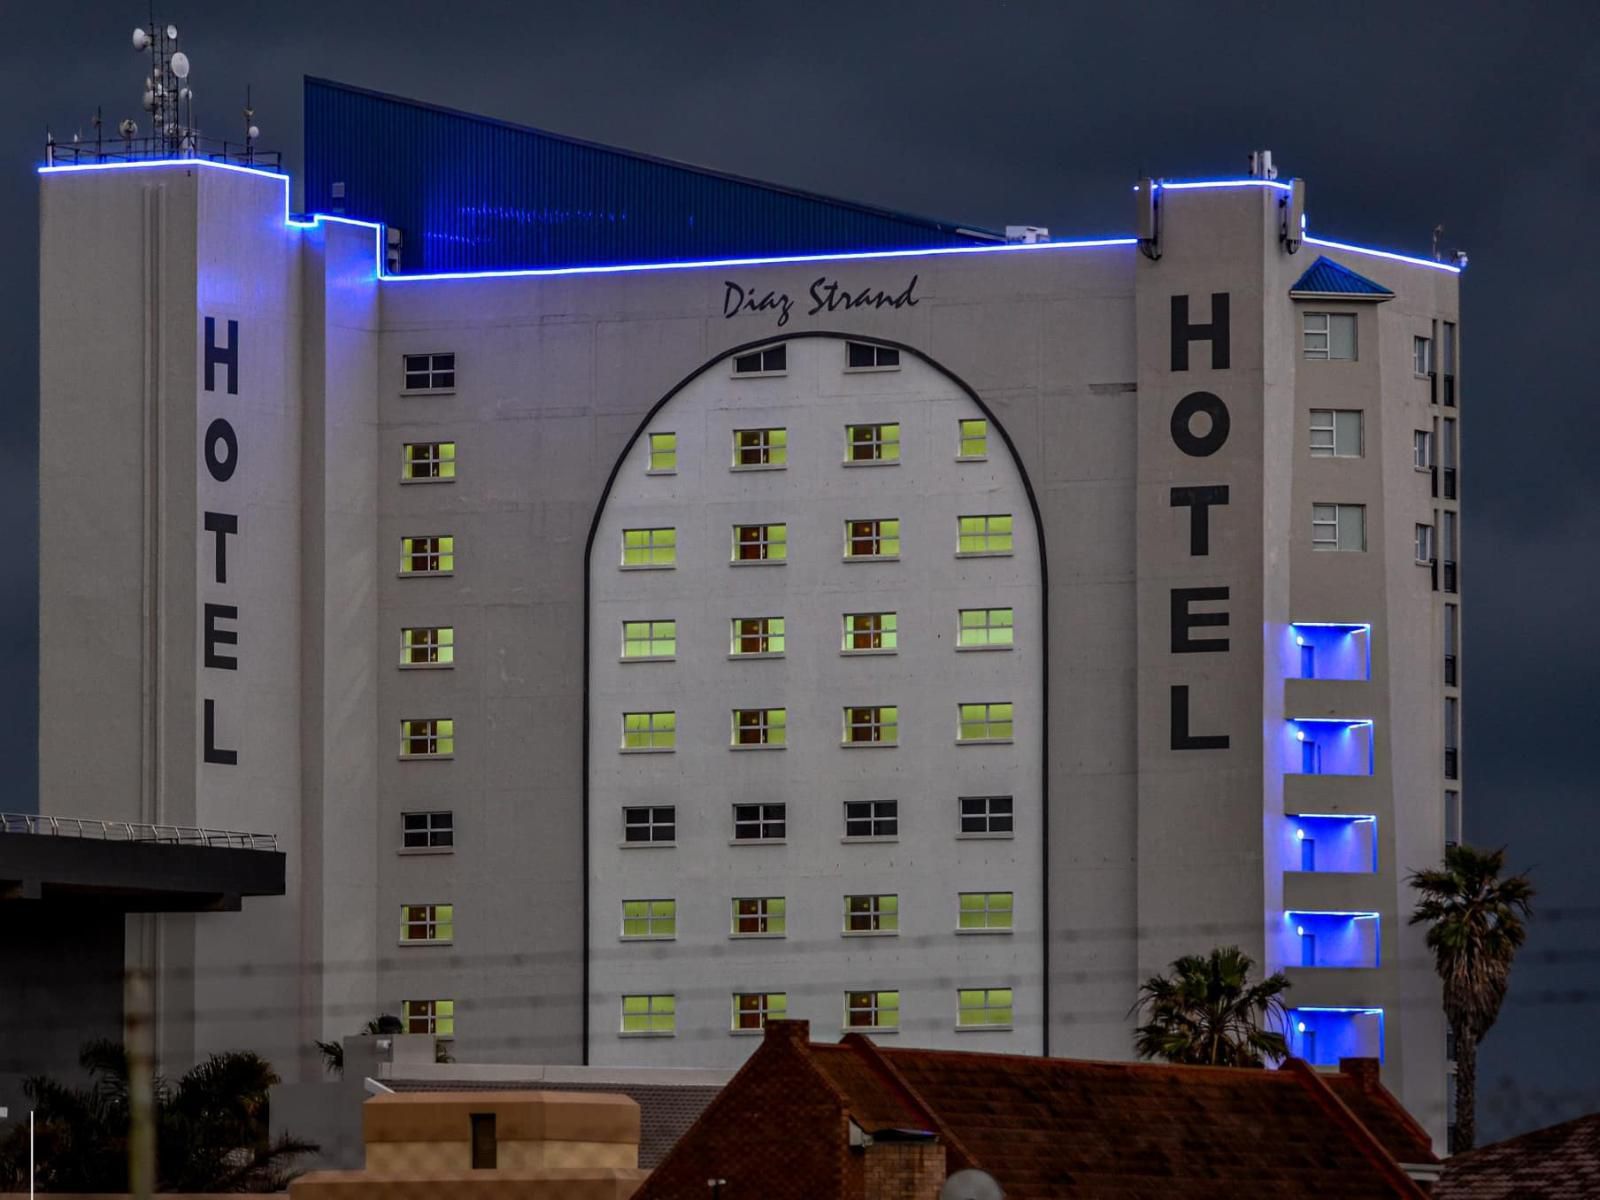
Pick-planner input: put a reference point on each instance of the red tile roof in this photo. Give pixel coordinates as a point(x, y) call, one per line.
point(1046, 1127)
point(1558, 1163)
point(1358, 1086)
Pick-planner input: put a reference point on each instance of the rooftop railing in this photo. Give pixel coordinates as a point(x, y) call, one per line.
point(149, 149)
point(134, 831)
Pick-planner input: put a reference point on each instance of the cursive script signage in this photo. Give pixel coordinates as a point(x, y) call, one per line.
point(825, 295)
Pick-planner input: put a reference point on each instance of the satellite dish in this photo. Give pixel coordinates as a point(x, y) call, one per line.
point(172, 33)
point(253, 132)
point(128, 129)
point(971, 1184)
point(141, 40)
point(180, 65)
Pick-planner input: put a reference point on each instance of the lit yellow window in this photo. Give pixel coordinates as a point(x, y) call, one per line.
point(437, 1017)
point(872, 443)
point(760, 543)
point(428, 646)
point(649, 730)
point(871, 726)
point(752, 1010)
point(650, 1015)
point(984, 628)
point(760, 448)
point(427, 922)
point(428, 461)
point(663, 453)
point(985, 910)
point(649, 639)
point(872, 1010)
point(427, 555)
point(649, 547)
point(974, 440)
point(760, 726)
point(979, 1008)
point(985, 723)
point(871, 631)
point(875, 538)
point(427, 737)
point(985, 535)
point(650, 919)
point(759, 916)
point(757, 635)
point(872, 914)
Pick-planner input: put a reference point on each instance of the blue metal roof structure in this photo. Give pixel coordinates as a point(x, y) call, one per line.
point(470, 193)
point(1328, 280)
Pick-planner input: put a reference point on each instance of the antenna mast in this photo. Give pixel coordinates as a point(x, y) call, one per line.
point(167, 96)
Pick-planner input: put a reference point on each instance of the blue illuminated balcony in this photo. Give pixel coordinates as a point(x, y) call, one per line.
point(1322, 1036)
point(1327, 746)
point(1329, 939)
point(1329, 650)
point(1330, 843)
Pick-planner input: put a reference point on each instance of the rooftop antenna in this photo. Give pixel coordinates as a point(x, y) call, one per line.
point(167, 95)
point(251, 130)
point(1437, 230)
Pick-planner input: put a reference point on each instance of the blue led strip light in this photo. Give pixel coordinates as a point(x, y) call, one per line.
point(314, 220)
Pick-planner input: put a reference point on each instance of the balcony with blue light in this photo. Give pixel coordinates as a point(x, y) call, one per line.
point(1329, 940)
point(1327, 746)
point(1322, 1036)
point(1330, 843)
point(1329, 650)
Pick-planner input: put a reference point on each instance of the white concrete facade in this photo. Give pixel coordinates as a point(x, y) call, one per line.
point(1137, 836)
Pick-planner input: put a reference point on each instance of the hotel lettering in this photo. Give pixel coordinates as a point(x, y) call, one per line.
point(219, 622)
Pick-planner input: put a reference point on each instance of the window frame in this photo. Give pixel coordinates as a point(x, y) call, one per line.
point(433, 369)
point(658, 1005)
point(887, 629)
point(651, 546)
point(1335, 448)
point(874, 1008)
point(648, 918)
point(768, 914)
point(432, 917)
point(764, 635)
point(988, 816)
point(874, 819)
point(764, 445)
point(1424, 549)
point(762, 821)
point(963, 454)
point(652, 451)
point(443, 464)
point(884, 449)
point(442, 646)
point(987, 721)
point(428, 831)
point(442, 551)
point(764, 1011)
point(987, 628)
point(436, 1013)
point(989, 911)
point(962, 1008)
point(440, 734)
point(653, 731)
point(650, 640)
point(1336, 524)
point(651, 824)
point(879, 536)
point(775, 353)
point(1325, 353)
point(771, 536)
point(1423, 440)
point(877, 364)
point(764, 727)
point(881, 721)
point(987, 534)
point(880, 917)
point(1421, 356)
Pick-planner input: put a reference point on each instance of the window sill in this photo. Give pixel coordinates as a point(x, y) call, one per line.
point(661, 471)
point(983, 1028)
point(984, 741)
point(982, 932)
point(758, 467)
point(426, 942)
point(425, 757)
point(758, 746)
point(866, 653)
point(424, 574)
point(427, 479)
point(758, 841)
point(979, 649)
point(884, 837)
point(426, 850)
point(985, 553)
point(870, 462)
point(647, 566)
point(759, 374)
point(647, 749)
point(1422, 470)
point(756, 937)
point(747, 1033)
point(869, 933)
point(972, 458)
point(1423, 562)
point(874, 1030)
point(449, 666)
point(648, 937)
point(734, 657)
point(646, 1034)
point(870, 370)
point(627, 845)
point(985, 837)
point(646, 658)
point(447, 391)
point(1338, 550)
point(756, 562)
point(878, 745)
point(869, 558)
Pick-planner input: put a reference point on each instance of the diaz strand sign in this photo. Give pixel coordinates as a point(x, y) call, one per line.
point(826, 295)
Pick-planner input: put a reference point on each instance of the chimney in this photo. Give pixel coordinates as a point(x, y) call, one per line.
point(1363, 1070)
point(794, 1032)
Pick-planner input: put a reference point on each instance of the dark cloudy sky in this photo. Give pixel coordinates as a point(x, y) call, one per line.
point(1484, 118)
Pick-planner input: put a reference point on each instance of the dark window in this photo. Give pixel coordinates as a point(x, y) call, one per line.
point(430, 372)
point(872, 818)
point(759, 822)
point(762, 362)
point(650, 824)
point(429, 830)
point(483, 1142)
point(863, 356)
point(986, 814)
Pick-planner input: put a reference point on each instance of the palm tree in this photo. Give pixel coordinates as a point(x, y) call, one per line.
point(1475, 929)
point(1208, 1012)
